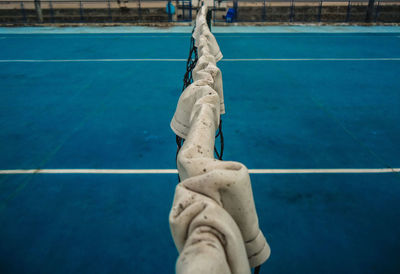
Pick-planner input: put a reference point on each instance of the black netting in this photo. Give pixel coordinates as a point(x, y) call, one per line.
point(187, 80)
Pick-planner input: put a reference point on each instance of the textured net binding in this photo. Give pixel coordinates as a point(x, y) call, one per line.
point(188, 79)
point(213, 219)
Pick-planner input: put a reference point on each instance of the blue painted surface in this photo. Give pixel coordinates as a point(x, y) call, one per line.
point(330, 223)
point(87, 224)
point(313, 114)
point(116, 115)
point(108, 116)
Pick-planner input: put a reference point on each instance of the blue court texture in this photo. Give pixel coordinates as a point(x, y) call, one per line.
point(61, 107)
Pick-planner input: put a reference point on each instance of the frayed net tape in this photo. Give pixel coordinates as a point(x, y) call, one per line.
point(204, 39)
point(201, 17)
point(181, 122)
point(206, 72)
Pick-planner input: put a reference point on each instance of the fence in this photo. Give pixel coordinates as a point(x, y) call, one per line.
point(330, 11)
point(136, 11)
point(75, 11)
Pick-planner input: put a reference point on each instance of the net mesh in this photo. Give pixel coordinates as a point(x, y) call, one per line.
point(188, 79)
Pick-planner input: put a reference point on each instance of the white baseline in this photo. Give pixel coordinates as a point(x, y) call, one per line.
point(174, 171)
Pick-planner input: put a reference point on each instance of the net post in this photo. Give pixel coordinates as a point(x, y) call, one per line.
point(370, 11)
point(235, 7)
point(109, 10)
point(51, 11)
point(81, 10)
point(377, 11)
point(38, 9)
point(319, 11)
point(140, 10)
point(190, 10)
point(183, 10)
point(291, 17)
point(23, 12)
point(169, 11)
point(348, 11)
point(209, 15)
point(214, 8)
point(264, 12)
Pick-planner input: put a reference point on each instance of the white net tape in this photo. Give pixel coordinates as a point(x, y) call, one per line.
point(213, 219)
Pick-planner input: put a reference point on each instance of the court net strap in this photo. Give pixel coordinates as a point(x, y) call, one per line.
point(213, 219)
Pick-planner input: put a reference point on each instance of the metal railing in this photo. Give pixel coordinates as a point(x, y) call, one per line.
point(302, 11)
point(136, 11)
point(82, 11)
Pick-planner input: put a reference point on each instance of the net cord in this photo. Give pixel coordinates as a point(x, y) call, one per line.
point(187, 80)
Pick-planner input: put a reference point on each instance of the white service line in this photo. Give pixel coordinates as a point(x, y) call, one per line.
point(324, 170)
point(184, 60)
point(218, 36)
point(89, 60)
point(92, 36)
point(89, 171)
point(309, 59)
point(174, 171)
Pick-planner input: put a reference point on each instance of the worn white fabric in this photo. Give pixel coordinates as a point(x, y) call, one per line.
point(181, 120)
point(207, 72)
point(200, 19)
point(213, 219)
point(208, 239)
point(203, 36)
point(227, 183)
point(207, 78)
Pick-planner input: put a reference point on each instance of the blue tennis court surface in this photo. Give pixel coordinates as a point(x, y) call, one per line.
point(296, 98)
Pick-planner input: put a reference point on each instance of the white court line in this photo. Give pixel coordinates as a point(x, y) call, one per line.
point(184, 60)
point(94, 36)
point(89, 60)
point(90, 171)
point(310, 59)
point(174, 171)
point(217, 35)
point(324, 170)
